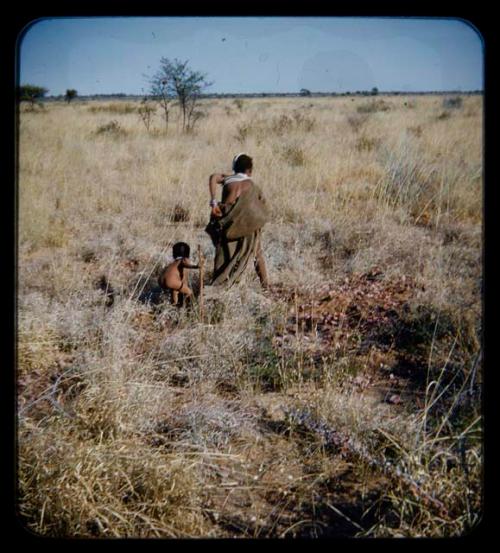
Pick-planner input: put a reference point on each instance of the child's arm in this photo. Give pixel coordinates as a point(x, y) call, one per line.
point(188, 265)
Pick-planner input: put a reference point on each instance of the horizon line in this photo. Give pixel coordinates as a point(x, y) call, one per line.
point(294, 93)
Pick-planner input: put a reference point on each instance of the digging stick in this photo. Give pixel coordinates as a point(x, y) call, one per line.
point(201, 263)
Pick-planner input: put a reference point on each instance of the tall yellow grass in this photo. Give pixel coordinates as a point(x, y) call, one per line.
point(110, 444)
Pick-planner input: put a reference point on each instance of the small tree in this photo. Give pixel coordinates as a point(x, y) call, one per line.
point(305, 92)
point(374, 91)
point(176, 80)
point(30, 93)
point(70, 94)
point(161, 89)
point(187, 86)
point(146, 112)
point(192, 94)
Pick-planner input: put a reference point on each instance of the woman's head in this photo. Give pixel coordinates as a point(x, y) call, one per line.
point(242, 164)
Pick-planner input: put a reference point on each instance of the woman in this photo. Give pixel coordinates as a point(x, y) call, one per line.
point(236, 222)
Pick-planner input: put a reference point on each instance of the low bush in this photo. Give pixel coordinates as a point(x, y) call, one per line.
point(367, 144)
point(294, 156)
point(117, 108)
point(452, 103)
point(111, 128)
point(373, 106)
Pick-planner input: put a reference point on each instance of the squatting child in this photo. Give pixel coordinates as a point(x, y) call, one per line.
point(173, 277)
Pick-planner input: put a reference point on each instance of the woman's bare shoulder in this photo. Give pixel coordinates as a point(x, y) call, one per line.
point(242, 185)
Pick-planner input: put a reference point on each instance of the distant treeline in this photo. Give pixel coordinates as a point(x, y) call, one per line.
point(122, 96)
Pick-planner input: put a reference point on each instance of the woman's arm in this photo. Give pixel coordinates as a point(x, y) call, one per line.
point(213, 181)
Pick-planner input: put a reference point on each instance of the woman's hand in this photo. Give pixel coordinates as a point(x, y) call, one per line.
point(216, 211)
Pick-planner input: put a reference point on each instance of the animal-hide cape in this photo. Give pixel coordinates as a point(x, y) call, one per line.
point(236, 235)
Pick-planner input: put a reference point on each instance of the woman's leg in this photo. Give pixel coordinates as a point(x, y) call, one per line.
point(260, 264)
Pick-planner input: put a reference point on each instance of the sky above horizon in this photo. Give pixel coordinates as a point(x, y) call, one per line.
point(105, 55)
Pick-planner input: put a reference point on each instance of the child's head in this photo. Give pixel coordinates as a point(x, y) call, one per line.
point(181, 249)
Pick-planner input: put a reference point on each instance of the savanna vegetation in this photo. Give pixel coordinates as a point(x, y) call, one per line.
point(345, 401)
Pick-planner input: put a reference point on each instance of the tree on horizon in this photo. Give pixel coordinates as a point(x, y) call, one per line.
point(70, 94)
point(31, 93)
point(175, 79)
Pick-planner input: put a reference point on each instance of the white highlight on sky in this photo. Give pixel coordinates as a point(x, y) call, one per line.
point(104, 55)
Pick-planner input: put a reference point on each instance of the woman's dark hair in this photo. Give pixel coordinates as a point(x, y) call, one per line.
point(243, 163)
point(181, 249)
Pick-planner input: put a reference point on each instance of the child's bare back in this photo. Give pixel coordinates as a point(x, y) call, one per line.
point(174, 277)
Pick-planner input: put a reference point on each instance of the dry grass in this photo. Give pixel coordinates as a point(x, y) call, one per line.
point(260, 420)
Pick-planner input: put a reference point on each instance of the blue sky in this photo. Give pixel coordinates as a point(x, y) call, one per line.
point(254, 54)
